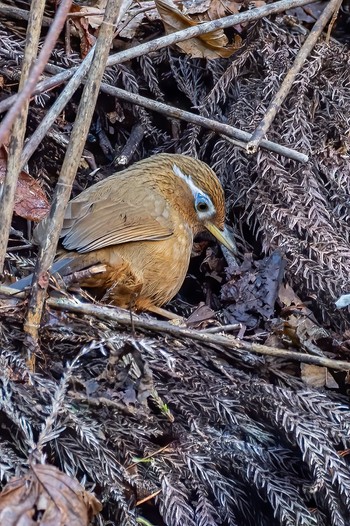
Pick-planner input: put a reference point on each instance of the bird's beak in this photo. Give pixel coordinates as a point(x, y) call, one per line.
point(223, 236)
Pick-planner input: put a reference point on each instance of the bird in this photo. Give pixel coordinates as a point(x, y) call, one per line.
point(139, 225)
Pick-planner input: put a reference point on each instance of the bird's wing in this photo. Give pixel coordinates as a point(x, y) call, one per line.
point(95, 221)
point(93, 226)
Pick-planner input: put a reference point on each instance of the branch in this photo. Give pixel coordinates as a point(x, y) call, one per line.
point(17, 137)
point(225, 130)
point(116, 315)
point(70, 165)
point(261, 130)
point(44, 55)
point(185, 34)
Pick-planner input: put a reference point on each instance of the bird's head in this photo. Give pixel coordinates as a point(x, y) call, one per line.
point(201, 197)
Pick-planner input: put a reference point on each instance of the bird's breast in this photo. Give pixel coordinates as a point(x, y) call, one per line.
point(160, 266)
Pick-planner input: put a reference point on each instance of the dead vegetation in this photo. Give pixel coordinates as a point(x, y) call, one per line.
point(161, 427)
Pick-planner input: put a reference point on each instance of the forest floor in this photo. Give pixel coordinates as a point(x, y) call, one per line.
point(239, 415)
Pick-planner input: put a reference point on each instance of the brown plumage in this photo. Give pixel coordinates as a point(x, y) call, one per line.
point(140, 223)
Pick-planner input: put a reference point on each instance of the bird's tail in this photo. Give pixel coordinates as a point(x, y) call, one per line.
point(63, 267)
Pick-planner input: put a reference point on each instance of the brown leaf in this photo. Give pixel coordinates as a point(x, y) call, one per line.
point(30, 200)
point(82, 25)
point(301, 326)
point(315, 376)
point(221, 8)
point(212, 45)
point(47, 497)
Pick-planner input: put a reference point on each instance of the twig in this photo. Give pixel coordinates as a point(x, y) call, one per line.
point(332, 22)
point(179, 36)
point(218, 127)
point(45, 85)
point(44, 55)
point(225, 130)
point(136, 135)
point(116, 315)
point(277, 101)
point(70, 165)
point(101, 401)
point(57, 108)
point(10, 11)
point(17, 137)
point(223, 328)
point(146, 499)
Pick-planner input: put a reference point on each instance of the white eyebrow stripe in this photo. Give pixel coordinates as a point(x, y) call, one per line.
point(188, 180)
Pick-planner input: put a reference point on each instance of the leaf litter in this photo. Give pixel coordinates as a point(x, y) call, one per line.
point(236, 427)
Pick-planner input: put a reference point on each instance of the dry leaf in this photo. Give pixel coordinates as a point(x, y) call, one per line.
point(46, 497)
point(82, 26)
point(193, 7)
point(221, 8)
point(315, 376)
point(212, 45)
point(30, 199)
point(301, 326)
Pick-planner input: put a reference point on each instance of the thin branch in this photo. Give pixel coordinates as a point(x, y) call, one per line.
point(44, 55)
point(218, 127)
point(7, 197)
point(185, 34)
point(10, 11)
point(227, 131)
point(277, 101)
point(57, 108)
point(122, 317)
point(136, 135)
point(70, 165)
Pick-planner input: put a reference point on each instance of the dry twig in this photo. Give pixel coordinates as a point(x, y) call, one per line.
point(44, 55)
point(179, 36)
point(112, 314)
point(277, 101)
point(16, 141)
point(70, 165)
point(121, 317)
point(223, 129)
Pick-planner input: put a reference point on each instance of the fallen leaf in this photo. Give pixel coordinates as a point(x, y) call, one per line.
point(46, 497)
point(307, 14)
point(201, 314)
point(315, 376)
point(30, 199)
point(221, 8)
point(300, 325)
point(82, 26)
point(211, 45)
point(193, 7)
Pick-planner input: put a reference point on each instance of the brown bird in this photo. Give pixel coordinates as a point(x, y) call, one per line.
point(140, 224)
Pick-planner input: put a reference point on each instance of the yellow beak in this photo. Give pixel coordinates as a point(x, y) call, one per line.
point(223, 236)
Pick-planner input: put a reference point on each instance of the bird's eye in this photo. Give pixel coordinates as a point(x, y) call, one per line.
point(202, 206)
point(202, 203)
